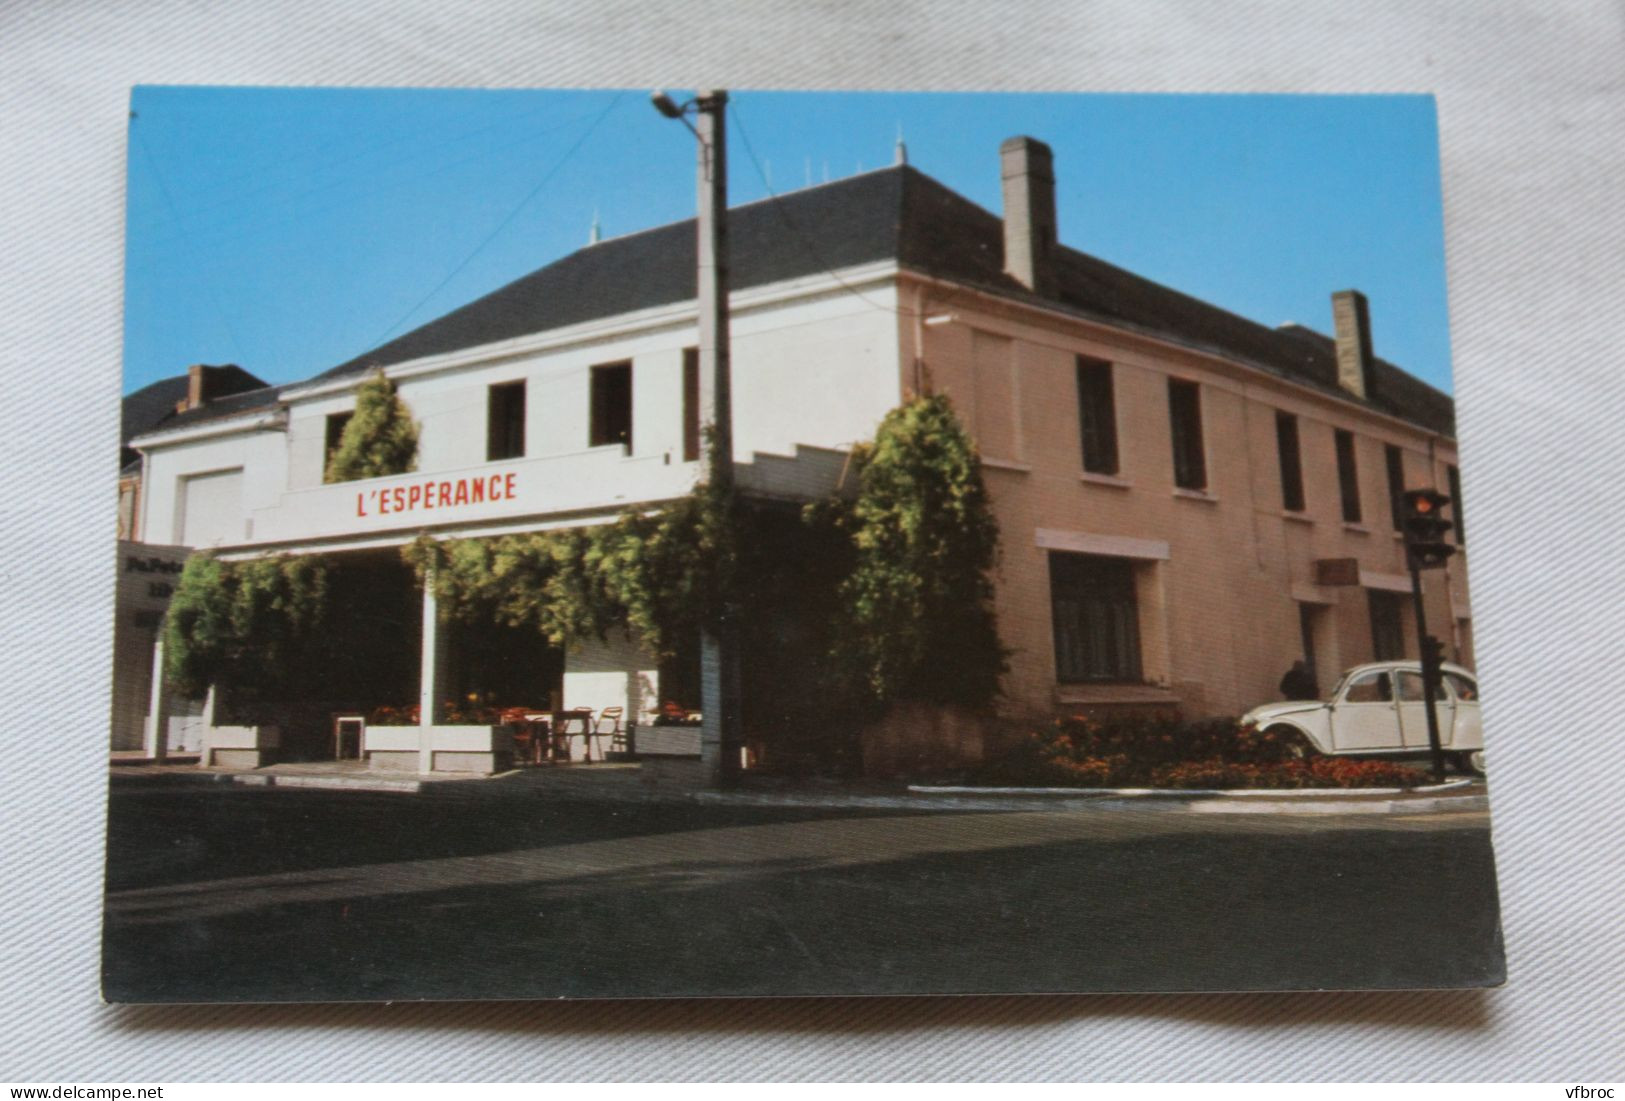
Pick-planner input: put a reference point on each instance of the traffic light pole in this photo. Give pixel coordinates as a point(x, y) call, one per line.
point(1430, 671)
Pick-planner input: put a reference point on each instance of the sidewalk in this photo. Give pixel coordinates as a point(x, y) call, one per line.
point(629, 782)
point(344, 775)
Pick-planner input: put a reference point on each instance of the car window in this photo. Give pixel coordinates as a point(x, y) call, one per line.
point(1410, 688)
point(1466, 688)
point(1370, 688)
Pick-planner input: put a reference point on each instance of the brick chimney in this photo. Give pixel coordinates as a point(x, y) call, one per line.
point(1028, 169)
point(1356, 365)
point(205, 383)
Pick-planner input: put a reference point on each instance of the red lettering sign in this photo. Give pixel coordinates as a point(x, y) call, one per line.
point(428, 495)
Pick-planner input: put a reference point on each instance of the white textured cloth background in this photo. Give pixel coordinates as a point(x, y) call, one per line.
point(1532, 109)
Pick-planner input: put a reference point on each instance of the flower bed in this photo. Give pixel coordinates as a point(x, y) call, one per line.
point(455, 715)
point(1210, 754)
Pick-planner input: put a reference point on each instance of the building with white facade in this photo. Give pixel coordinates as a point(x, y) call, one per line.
point(1189, 501)
point(147, 570)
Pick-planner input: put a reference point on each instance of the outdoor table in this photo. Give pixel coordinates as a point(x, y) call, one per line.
point(538, 729)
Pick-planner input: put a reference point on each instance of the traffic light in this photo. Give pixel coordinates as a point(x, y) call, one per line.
point(1425, 528)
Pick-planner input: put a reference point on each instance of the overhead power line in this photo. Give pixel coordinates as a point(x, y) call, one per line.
point(777, 203)
point(514, 213)
point(197, 258)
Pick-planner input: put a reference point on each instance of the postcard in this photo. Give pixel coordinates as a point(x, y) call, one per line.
point(690, 543)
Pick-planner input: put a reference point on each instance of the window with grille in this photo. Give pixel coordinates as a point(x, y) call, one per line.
point(1387, 625)
point(1096, 618)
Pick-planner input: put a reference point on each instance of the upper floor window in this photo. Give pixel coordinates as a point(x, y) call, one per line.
point(505, 421)
point(1454, 480)
point(610, 419)
point(691, 404)
point(1097, 416)
point(1348, 477)
point(1396, 485)
point(1286, 444)
point(1185, 415)
point(336, 423)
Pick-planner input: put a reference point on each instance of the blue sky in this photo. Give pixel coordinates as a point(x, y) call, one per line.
point(288, 230)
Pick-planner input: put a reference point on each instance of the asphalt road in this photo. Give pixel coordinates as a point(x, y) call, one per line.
point(219, 892)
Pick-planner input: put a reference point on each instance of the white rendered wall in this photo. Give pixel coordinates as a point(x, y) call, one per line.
point(613, 673)
point(260, 454)
point(820, 369)
point(821, 372)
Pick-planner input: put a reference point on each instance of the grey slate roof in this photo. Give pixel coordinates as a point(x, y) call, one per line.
point(153, 406)
point(896, 214)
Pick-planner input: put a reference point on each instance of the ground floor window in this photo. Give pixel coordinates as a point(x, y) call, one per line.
point(1387, 625)
point(1096, 618)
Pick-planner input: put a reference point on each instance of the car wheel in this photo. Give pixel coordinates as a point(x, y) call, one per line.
point(1295, 746)
point(1471, 762)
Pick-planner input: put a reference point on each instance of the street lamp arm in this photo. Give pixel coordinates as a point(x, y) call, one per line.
point(674, 110)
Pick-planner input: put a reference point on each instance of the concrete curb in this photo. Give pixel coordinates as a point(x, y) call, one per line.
point(1452, 804)
point(271, 779)
point(1102, 800)
point(1188, 793)
point(343, 783)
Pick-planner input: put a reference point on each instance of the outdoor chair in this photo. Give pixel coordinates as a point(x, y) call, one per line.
point(529, 734)
point(608, 729)
point(566, 725)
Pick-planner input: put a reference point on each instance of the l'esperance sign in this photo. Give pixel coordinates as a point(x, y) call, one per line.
point(431, 494)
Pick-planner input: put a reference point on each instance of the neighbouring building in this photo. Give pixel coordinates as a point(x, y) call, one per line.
point(1189, 501)
point(147, 570)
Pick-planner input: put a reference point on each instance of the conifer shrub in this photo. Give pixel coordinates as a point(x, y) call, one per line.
point(380, 439)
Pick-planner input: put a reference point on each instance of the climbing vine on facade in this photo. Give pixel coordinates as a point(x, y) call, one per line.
point(659, 574)
point(909, 610)
point(899, 583)
point(380, 439)
point(915, 614)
